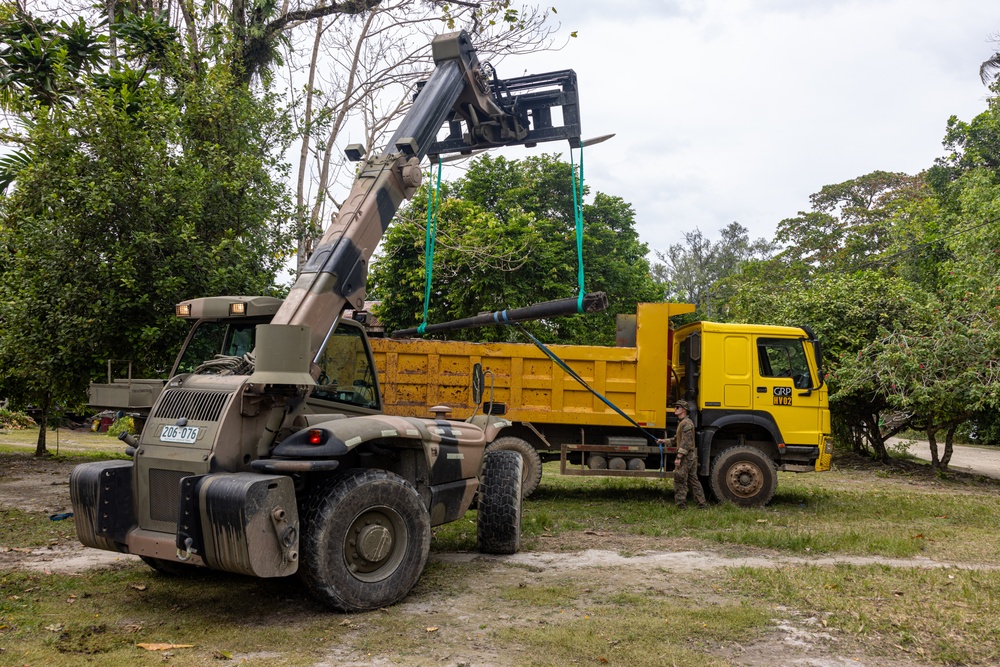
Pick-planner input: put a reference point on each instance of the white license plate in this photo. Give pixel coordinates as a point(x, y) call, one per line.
point(185, 434)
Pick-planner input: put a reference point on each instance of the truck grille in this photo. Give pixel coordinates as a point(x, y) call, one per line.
point(164, 494)
point(194, 405)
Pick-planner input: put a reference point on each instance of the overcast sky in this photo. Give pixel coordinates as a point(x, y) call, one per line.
point(738, 110)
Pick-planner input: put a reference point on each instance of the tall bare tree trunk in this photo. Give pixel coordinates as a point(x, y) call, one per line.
point(304, 232)
point(324, 175)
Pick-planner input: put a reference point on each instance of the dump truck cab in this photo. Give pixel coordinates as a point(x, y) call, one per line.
point(761, 402)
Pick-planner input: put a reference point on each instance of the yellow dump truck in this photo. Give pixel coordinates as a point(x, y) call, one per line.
point(759, 391)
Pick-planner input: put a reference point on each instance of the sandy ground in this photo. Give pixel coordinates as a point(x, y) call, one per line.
point(797, 639)
point(974, 459)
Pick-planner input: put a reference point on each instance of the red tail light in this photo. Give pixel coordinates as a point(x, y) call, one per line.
point(315, 436)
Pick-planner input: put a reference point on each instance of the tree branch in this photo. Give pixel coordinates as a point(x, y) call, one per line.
point(347, 7)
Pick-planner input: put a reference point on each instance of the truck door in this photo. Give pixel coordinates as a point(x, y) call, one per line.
point(782, 381)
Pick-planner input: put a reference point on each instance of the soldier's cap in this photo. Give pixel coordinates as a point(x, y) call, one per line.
point(683, 404)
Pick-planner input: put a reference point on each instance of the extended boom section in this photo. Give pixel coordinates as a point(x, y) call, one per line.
point(480, 112)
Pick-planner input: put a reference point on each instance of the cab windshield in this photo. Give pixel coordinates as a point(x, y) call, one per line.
point(212, 338)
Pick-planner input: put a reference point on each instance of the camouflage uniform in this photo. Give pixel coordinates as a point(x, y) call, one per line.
point(686, 470)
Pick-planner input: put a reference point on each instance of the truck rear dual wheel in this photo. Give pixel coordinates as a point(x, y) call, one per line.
point(744, 476)
point(532, 475)
point(366, 541)
point(498, 527)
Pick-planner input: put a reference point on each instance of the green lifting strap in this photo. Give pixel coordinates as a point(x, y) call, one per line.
point(430, 238)
point(578, 215)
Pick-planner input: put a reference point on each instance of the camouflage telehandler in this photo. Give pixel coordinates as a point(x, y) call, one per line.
point(269, 464)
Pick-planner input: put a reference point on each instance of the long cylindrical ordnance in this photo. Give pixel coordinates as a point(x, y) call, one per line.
point(592, 303)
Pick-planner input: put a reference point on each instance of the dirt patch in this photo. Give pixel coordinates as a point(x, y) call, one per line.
point(34, 485)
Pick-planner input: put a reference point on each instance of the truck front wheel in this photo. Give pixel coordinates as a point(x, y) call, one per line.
point(366, 541)
point(532, 474)
point(498, 525)
point(744, 476)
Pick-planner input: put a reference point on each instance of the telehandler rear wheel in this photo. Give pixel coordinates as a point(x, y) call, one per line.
point(366, 541)
point(498, 528)
point(744, 476)
point(532, 473)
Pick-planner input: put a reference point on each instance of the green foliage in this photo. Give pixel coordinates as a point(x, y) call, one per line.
point(14, 420)
point(696, 271)
point(157, 184)
point(506, 239)
point(122, 425)
point(41, 61)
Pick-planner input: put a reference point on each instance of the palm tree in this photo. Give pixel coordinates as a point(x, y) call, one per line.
point(989, 71)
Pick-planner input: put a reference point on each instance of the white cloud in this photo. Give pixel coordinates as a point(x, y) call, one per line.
point(739, 110)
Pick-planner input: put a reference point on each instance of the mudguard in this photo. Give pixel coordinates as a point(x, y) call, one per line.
point(491, 425)
point(103, 507)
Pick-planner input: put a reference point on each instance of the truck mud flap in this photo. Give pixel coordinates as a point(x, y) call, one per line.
point(103, 507)
point(249, 523)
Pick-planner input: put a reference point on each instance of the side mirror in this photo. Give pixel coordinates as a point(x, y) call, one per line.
point(478, 382)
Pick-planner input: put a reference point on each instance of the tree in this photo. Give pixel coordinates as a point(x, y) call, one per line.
point(506, 239)
point(849, 223)
point(695, 271)
point(361, 77)
point(989, 71)
point(139, 194)
point(940, 371)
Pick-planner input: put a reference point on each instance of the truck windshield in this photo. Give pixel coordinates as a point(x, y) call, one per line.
point(347, 375)
point(784, 357)
point(212, 338)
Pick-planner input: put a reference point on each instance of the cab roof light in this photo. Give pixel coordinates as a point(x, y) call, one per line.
point(182, 310)
point(238, 308)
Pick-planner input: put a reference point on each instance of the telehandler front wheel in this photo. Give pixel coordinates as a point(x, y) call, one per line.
point(498, 527)
point(744, 476)
point(366, 541)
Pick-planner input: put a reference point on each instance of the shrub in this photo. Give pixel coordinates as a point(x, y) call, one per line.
point(15, 420)
point(122, 425)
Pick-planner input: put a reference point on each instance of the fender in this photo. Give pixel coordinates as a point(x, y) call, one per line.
point(715, 420)
point(337, 437)
point(453, 450)
point(491, 425)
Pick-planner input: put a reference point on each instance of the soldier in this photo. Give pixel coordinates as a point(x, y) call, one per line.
point(686, 464)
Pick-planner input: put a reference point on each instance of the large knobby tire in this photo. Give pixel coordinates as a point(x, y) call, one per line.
point(532, 471)
point(169, 568)
point(366, 541)
point(744, 476)
point(498, 528)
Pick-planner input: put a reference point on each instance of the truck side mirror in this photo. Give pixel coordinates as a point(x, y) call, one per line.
point(478, 382)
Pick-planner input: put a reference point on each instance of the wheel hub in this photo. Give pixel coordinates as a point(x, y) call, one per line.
point(374, 542)
point(745, 479)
